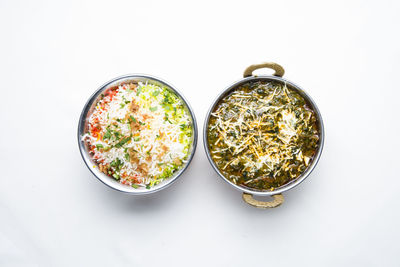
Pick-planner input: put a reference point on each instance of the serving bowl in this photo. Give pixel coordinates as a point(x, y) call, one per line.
point(276, 193)
point(83, 126)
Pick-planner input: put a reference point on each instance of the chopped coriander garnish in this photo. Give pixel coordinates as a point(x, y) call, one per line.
point(132, 118)
point(152, 109)
point(166, 118)
point(167, 107)
point(115, 163)
point(107, 135)
point(123, 142)
point(117, 135)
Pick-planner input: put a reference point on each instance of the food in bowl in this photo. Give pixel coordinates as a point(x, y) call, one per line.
point(139, 133)
point(262, 135)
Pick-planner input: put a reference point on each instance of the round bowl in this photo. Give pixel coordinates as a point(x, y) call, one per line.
point(276, 194)
point(83, 125)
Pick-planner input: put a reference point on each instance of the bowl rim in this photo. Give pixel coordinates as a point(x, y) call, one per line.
point(316, 158)
point(107, 180)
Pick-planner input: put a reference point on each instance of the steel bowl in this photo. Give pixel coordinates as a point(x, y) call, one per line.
point(276, 194)
point(83, 126)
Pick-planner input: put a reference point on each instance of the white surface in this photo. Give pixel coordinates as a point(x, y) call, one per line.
point(53, 212)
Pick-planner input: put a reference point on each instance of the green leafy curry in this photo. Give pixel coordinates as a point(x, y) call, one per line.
point(262, 135)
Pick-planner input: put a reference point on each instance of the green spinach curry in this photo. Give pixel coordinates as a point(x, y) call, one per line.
point(262, 135)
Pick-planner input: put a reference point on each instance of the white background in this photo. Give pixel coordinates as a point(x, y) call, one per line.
point(54, 212)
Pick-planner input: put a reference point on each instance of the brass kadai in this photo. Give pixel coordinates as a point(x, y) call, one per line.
point(276, 193)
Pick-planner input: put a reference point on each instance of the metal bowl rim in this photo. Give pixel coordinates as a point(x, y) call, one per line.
point(315, 160)
point(83, 116)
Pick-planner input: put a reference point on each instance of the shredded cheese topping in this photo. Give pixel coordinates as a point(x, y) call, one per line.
point(262, 135)
point(139, 133)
